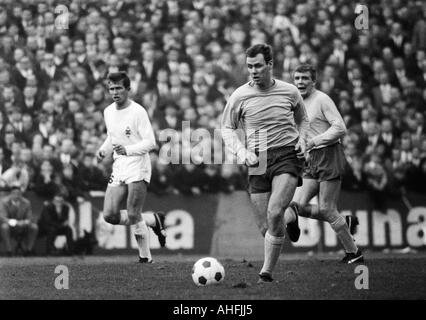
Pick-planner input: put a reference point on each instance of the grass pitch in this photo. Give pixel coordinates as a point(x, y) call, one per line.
point(318, 277)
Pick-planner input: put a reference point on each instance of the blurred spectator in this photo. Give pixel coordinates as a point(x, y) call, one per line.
point(150, 64)
point(71, 185)
point(16, 175)
point(376, 180)
point(67, 154)
point(17, 222)
point(44, 181)
point(354, 176)
point(49, 70)
point(185, 56)
point(91, 177)
point(28, 130)
point(188, 179)
point(387, 135)
point(212, 180)
point(54, 221)
point(162, 177)
point(4, 163)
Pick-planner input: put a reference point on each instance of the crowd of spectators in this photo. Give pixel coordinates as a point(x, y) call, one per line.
point(184, 59)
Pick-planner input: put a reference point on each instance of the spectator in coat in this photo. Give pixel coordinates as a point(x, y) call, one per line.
point(54, 221)
point(17, 222)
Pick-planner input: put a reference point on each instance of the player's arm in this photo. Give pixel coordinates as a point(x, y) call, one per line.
point(28, 214)
point(105, 148)
point(302, 122)
point(3, 213)
point(337, 125)
point(146, 133)
point(229, 125)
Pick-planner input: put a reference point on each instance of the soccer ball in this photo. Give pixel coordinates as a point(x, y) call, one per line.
point(207, 271)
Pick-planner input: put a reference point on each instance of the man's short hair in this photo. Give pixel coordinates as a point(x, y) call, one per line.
point(261, 48)
point(59, 193)
point(307, 68)
point(117, 77)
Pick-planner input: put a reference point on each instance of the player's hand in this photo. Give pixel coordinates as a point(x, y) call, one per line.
point(307, 157)
point(251, 159)
point(310, 144)
point(301, 150)
point(12, 222)
point(119, 149)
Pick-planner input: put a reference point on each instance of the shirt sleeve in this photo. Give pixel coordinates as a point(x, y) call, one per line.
point(301, 117)
point(3, 213)
point(229, 125)
point(107, 145)
point(147, 135)
point(337, 127)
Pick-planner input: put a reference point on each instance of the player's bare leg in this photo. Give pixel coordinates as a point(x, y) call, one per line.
point(300, 203)
point(309, 189)
point(153, 220)
point(283, 187)
point(135, 202)
point(156, 222)
point(328, 197)
point(260, 203)
point(114, 196)
point(119, 196)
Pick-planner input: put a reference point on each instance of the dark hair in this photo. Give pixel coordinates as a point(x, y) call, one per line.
point(307, 68)
point(264, 49)
point(58, 193)
point(116, 77)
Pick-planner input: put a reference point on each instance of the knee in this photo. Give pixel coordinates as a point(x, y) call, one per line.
point(112, 218)
point(328, 214)
point(275, 214)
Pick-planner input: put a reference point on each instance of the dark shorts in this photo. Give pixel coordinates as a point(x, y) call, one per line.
point(325, 164)
point(279, 161)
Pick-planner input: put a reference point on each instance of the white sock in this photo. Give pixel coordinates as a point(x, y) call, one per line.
point(142, 238)
point(342, 231)
point(124, 218)
point(272, 251)
point(149, 219)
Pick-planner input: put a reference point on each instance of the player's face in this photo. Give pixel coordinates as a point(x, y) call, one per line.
point(118, 92)
point(259, 70)
point(303, 81)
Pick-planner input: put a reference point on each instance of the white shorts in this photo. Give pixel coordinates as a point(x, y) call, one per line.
point(126, 170)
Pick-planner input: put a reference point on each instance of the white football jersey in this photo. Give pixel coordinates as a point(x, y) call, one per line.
point(131, 128)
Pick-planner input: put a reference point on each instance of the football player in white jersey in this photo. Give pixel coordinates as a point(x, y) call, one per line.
point(130, 138)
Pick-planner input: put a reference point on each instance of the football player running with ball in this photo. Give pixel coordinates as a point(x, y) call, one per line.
point(273, 118)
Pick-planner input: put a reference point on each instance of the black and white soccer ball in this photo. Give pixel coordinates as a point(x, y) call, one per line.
point(207, 271)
